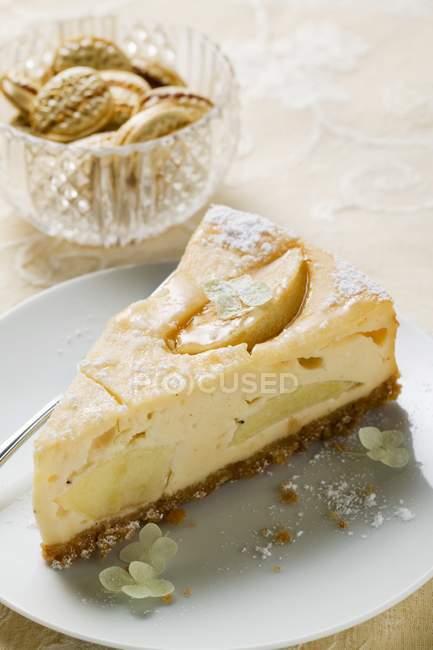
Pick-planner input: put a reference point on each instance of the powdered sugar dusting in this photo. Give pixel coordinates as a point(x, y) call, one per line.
point(247, 233)
point(351, 283)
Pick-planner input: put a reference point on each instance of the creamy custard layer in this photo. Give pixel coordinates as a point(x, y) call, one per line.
point(119, 469)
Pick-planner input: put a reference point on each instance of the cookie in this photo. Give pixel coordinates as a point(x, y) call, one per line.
point(152, 123)
point(128, 92)
point(97, 140)
point(178, 96)
point(19, 89)
point(89, 51)
point(21, 122)
point(156, 73)
point(73, 104)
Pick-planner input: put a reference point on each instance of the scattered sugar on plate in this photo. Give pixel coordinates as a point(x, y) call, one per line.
point(264, 551)
point(404, 514)
point(378, 520)
point(350, 499)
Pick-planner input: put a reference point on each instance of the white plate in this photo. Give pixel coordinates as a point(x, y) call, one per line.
point(330, 579)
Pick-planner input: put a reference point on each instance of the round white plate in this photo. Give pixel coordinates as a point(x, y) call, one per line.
point(329, 578)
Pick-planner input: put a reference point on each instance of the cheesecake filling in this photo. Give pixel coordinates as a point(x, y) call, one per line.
point(139, 475)
point(285, 405)
point(197, 434)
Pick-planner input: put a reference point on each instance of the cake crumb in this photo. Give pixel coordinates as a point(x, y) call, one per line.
point(283, 537)
point(265, 532)
point(287, 494)
point(337, 446)
point(176, 516)
point(187, 592)
point(276, 568)
point(168, 599)
point(369, 489)
point(280, 457)
point(341, 523)
point(370, 500)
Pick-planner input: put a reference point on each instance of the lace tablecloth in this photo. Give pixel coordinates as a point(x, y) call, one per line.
point(337, 144)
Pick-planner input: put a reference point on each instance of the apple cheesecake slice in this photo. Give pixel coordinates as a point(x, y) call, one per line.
point(256, 344)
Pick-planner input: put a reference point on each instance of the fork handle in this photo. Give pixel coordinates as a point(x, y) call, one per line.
point(14, 442)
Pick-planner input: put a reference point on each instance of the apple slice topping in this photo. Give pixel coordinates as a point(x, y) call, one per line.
point(249, 309)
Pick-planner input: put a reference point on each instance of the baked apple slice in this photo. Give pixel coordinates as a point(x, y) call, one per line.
point(232, 317)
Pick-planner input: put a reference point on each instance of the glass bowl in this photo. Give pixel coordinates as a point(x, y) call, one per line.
point(115, 195)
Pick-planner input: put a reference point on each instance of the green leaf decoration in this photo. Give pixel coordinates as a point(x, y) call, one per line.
point(235, 297)
point(132, 552)
point(396, 457)
point(159, 587)
point(137, 591)
point(370, 437)
point(229, 306)
point(114, 578)
point(214, 289)
point(384, 446)
point(252, 293)
point(377, 454)
point(159, 564)
point(149, 534)
point(141, 572)
point(141, 580)
point(392, 438)
point(162, 551)
point(225, 297)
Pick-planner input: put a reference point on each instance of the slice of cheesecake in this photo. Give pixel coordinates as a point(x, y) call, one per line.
point(256, 344)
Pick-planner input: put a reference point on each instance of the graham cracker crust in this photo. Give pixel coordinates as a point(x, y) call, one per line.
point(104, 535)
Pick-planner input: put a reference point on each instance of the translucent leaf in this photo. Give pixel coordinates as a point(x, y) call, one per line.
point(243, 283)
point(396, 457)
point(377, 454)
point(159, 564)
point(149, 534)
point(114, 578)
point(137, 591)
point(161, 552)
point(134, 551)
point(225, 297)
point(392, 438)
point(370, 437)
point(259, 294)
point(141, 572)
point(214, 289)
point(252, 293)
point(229, 307)
point(159, 587)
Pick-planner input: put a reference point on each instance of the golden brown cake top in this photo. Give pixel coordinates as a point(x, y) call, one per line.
point(311, 301)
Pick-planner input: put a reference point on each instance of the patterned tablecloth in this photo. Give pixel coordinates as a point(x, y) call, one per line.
point(337, 144)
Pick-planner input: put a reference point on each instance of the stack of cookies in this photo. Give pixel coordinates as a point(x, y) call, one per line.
point(95, 95)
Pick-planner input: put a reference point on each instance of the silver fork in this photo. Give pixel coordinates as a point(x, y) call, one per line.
point(14, 442)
